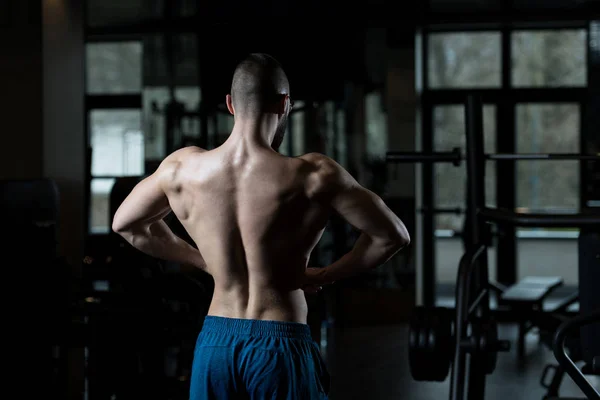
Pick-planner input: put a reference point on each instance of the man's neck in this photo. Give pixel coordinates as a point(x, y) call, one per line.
point(253, 133)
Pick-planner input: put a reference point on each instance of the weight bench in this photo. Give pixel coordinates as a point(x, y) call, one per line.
point(525, 299)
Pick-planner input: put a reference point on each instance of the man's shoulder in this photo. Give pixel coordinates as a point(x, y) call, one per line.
point(191, 150)
point(324, 173)
point(183, 153)
point(174, 162)
point(319, 161)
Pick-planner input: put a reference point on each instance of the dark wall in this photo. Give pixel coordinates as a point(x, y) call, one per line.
point(317, 61)
point(42, 80)
point(63, 116)
point(21, 83)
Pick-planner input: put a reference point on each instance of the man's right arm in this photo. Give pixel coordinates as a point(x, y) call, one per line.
point(382, 233)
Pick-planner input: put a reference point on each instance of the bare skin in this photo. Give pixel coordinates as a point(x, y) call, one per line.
point(255, 217)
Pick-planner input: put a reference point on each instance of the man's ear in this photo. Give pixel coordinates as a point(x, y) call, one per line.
point(283, 104)
point(229, 103)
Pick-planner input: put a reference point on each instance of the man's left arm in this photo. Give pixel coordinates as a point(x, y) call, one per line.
point(139, 220)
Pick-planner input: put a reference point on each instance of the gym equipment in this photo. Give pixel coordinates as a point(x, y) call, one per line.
point(567, 363)
point(475, 331)
point(442, 210)
point(430, 348)
point(431, 338)
point(579, 220)
point(525, 299)
point(455, 157)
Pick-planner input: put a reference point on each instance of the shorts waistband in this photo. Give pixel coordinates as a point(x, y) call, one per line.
point(253, 327)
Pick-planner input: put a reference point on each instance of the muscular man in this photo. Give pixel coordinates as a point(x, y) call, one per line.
point(255, 216)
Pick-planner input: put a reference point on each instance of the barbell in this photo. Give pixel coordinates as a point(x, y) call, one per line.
point(455, 157)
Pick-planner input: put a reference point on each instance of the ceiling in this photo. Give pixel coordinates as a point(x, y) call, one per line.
point(321, 44)
point(304, 13)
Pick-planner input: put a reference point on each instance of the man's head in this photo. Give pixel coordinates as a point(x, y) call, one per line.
point(260, 87)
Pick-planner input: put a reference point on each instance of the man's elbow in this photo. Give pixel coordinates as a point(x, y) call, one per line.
point(119, 227)
point(401, 237)
point(118, 230)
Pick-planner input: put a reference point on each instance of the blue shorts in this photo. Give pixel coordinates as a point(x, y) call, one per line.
point(252, 359)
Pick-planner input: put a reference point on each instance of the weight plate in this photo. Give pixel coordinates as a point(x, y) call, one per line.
point(430, 344)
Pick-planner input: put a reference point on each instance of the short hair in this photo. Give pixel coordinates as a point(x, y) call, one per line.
point(258, 82)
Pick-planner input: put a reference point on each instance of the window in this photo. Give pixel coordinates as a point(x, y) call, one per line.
point(224, 127)
point(376, 122)
point(154, 101)
point(117, 143)
point(450, 181)
point(100, 204)
point(549, 58)
point(297, 136)
point(114, 68)
point(548, 185)
point(341, 151)
point(461, 60)
point(116, 136)
point(547, 76)
point(450, 185)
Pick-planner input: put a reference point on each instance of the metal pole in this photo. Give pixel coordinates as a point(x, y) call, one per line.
point(466, 268)
point(475, 170)
point(475, 235)
point(397, 157)
point(428, 279)
point(455, 157)
point(543, 156)
point(580, 220)
point(565, 361)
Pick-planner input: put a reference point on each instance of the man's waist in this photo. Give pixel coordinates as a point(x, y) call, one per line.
point(255, 327)
point(266, 306)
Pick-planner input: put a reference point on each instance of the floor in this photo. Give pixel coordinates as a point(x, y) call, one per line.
point(372, 363)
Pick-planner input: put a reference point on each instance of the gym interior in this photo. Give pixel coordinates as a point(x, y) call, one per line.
point(477, 122)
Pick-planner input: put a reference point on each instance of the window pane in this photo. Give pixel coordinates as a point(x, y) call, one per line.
point(450, 181)
point(341, 151)
point(376, 122)
point(117, 143)
point(154, 101)
point(450, 187)
point(297, 121)
point(549, 58)
point(176, 64)
point(99, 207)
point(464, 60)
point(329, 119)
point(548, 185)
point(114, 68)
point(539, 256)
point(224, 127)
point(448, 252)
point(284, 149)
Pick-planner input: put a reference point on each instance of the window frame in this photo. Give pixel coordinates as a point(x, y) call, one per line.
point(95, 102)
point(505, 98)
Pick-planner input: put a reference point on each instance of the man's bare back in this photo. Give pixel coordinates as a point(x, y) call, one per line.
point(255, 217)
point(254, 224)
